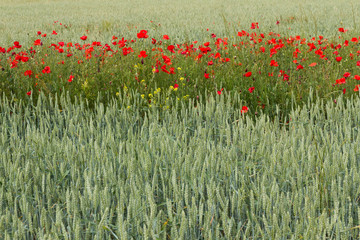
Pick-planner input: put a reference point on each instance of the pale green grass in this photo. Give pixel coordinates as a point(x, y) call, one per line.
point(20, 19)
point(201, 173)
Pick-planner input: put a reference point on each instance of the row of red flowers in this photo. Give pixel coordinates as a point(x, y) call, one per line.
point(270, 53)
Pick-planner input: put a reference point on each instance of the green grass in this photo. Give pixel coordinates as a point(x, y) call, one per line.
point(109, 156)
point(206, 172)
point(308, 18)
point(202, 171)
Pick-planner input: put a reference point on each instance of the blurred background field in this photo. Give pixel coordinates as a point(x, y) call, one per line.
point(183, 19)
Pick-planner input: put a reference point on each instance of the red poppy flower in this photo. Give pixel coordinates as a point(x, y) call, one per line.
point(142, 54)
point(71, 78)
point(54, 33)
point(142, 34)
point(153, 40)
point(206, 75)
point(28, 73)
point(274, 63)
point(46, 70)
point(167, 60)
point(299, 67)
point(357, 77)
point(312, 64)
point(347, 74)
point(83, 38)
point(358, 63)
point(171, 48)
point(248, 74)
point(244, 109)
point(24, 59)
point(166, 37)
point(14, 64)
point(126, 51)
point(38, 33)
point(17, 45)
point(254, 25)
point(172, 71)
point(341, 81)
point(342, 30)
point(210, 63)
point(163, 68)
point(344, 90)
point(356, 89)
point(37, 42)
point(251, 89)
point(28, 93)
point(220, 91)
point(176, 85)
point(338, 59)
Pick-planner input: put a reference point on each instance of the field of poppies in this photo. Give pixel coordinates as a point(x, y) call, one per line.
point(268, 70)
point(140, 124)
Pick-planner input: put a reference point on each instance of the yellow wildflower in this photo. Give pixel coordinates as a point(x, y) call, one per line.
point(85, 84)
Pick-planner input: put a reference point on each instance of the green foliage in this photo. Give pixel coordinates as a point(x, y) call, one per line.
point(205, 172)
point(119, 153)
